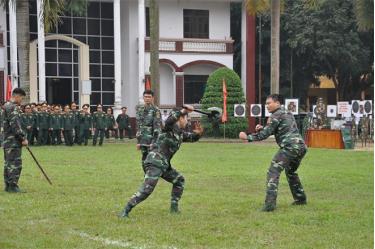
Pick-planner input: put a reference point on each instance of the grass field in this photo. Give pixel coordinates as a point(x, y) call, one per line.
point(220, 207)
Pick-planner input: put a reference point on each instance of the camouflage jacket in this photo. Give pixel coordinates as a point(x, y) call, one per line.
point(13, 133)
point(169, 142)
point(85, 121)
point(123, 121)
point(27, 119)
point(99, 120)
point(69, 121)
point(148, 124)
point(283, 125)
point(1, 117)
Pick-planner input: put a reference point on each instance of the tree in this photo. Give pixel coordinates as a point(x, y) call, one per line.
point(154, 49)
point(52, 11)
point(331, 40)
point(213, 97)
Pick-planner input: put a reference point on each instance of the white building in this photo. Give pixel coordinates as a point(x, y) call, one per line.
point(110, 47)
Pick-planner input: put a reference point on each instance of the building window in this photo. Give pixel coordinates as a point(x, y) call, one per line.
point(196, 23)
point(147, 21)
point(94, 28)
point(194, 86)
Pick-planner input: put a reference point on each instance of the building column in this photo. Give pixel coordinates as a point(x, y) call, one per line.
point(141, 48)
point(250, 66)
point(3, 63)
point(179, 88)
point(117, 58)
point(13, 43)
point(41, 52)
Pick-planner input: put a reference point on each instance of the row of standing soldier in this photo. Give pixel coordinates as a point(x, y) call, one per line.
point(47, 124)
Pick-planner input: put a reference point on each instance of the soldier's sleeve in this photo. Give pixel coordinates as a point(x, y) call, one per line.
point(190, 137)
point(93, 120)
point(118, 119)
point(172, 119)
point(156, 125)
point(15, 124)
point(138, 117)
point(267, 131)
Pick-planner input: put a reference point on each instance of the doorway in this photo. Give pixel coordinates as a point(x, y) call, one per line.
point(59, 91)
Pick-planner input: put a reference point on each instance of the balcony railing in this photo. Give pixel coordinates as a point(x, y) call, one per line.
point(193, 46)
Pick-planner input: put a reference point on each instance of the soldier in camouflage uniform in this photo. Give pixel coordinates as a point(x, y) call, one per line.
point(148, 124)
point(124, 124)
point(14, 139)
point(85, 124)
point(292, 149)
point(27, 122)
point(111, 124)
point(99, 122)
point(158, 161)
point(43, 124)
point(69, 121)
point(56, 124)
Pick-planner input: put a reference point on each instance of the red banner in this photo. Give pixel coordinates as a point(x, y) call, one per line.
point(8, 94)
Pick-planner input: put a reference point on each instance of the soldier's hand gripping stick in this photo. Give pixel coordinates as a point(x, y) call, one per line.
point(39, 166)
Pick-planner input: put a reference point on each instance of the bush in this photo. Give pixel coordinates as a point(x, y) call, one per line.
point(213, 96)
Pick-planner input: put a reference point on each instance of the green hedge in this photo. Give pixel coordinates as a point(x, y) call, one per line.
point(213, 96)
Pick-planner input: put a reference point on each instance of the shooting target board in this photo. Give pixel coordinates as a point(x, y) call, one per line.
point(314, 111)
point(239, 110)
point(331, 111)
point(256, 110)
point(367, 106)
point(266, 112)
point(292, 105)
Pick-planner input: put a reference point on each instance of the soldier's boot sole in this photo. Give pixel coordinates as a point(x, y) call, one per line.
point(299, 203)
point(268, 207)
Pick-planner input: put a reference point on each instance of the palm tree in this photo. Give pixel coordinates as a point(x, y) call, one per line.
point(154, 49)
point(52, 11)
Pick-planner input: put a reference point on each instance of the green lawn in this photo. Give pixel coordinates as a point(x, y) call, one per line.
point(220, 207)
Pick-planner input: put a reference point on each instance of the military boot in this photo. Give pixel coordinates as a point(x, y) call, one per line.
point(299, 202)
point(174, 208)
point(125, 213)
point(269, 207)
point(13, 188)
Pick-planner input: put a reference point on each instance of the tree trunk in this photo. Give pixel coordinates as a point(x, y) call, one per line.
point(154, 49)
point(23, 44)
point(275, 45)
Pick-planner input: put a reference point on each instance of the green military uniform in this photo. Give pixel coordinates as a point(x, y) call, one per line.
point(77, 133)
point(68, 125)
point(34, 134)
point(43, 125)
point(13, 137)
point(124, 125)
point(148, 127)
point(56, 124)
point(85, 124)
point(292, 149)
point(111, 123)
point(158, 164)
point(99, 121)
point(27, 123)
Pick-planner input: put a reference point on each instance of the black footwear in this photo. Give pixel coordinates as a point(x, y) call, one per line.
point(125, 213)
point(300, 202)
point(174, 208)
point(6, 187)
point(13, 188)
point(268, 207)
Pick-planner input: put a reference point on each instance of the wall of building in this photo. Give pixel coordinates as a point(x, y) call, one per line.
point(171, 18)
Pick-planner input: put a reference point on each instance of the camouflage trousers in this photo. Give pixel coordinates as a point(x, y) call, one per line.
point(152, 175)
point(144, 151)
point(288, 160)
point(12, 165)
